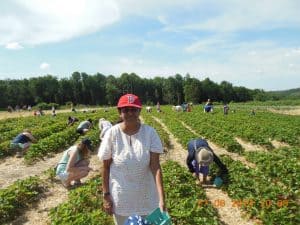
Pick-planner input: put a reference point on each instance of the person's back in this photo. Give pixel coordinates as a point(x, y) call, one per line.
point(74, 163)
point(104, 125)
point(84, 126)
point(21, 138)
point(65, 158)
point(22, 142)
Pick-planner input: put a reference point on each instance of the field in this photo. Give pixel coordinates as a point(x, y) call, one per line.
point(261, 151)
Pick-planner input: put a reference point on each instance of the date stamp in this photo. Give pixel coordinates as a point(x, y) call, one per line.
point(264, 203)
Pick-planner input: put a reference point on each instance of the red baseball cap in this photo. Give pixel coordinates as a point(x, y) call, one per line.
point(129, 100)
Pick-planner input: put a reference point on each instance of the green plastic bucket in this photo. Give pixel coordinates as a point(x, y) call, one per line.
point(159, 218)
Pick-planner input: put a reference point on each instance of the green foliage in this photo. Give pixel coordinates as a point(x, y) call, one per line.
point(255, 185)
point(83, 207)
point(183, 196)
point(46, 106)
point(15, 198)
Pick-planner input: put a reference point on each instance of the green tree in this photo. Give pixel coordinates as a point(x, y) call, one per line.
point(227, 91)
point(192, 90)
point(77, 87)
point(113, 92)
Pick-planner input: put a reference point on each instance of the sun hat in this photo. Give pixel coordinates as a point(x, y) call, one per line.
point(87, 142)
point(129, 100)
point(204, 156)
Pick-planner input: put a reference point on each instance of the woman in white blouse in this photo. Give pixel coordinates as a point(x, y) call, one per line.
point(132, 177)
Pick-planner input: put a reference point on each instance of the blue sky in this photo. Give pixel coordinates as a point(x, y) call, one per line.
point(255, 43)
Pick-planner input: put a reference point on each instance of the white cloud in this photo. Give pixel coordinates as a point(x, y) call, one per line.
point(36, 22)
point(44, 66)
point(206, 44)
point(13, 46)
point(231, 15)
point(162, 20)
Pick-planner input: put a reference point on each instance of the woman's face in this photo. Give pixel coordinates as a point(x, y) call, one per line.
point(130, 114)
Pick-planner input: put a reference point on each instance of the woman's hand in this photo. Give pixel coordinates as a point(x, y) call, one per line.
point(108, 205)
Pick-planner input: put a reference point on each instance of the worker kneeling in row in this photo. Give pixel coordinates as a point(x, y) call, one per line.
point(200, 156)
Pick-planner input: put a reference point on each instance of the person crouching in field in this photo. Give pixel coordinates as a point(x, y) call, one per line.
point(22, 142)
point(84, 126)
point(74, 164)
point(200, 156)
point(71, 120)
point(104, 125)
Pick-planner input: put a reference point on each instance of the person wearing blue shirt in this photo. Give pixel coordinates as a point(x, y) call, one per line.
point(22, 142)
point(200, 156)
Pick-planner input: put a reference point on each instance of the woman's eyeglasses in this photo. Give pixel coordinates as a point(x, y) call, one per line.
point(127, 109)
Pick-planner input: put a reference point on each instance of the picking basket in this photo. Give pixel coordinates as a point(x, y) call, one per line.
point(159, 218)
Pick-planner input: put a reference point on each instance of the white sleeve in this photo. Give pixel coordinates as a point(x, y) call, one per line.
point(156, 145)
point(105, 149)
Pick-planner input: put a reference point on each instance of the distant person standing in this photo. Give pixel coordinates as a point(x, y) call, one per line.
point(22, 142)
point(53, 111)
point(73, 108)
point(104, 125)
point(10, 109)
point(208, 106)
point(225, 109)
point(158, 107)
point(84, 126)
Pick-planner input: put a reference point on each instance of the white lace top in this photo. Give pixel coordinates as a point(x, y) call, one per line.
point(131, 182)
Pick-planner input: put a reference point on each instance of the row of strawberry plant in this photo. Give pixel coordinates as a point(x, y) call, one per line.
point(10, 124)
point(29, 123)
point(85, 203)
point(39, 134)
point(281, 165)
point(253, 191)
point(58, 141)
point(259, 184)
point(258, 129)
point(83, 206)
point(236, 125)
point(262, 127)
point(184, 197)
point(54, 143)
point(284, 169)
point(19, 196)
point(11, 127)
point(201, 126)
point(162, 133)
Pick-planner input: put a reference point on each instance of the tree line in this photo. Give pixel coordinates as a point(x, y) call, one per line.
point(98, 89)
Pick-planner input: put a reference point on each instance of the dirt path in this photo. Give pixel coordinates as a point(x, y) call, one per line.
point(221, 151)
point(6, 115)
point(294, 112)
point(13, 169)
point(228, 214)
point(38, 215)
point(250, 147)
point(278, 144)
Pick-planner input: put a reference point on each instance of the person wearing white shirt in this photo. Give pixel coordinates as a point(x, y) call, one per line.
point(104, 125)
point(132, 177)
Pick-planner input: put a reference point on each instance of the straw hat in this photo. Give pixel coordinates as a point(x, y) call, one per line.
point(204, 156)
